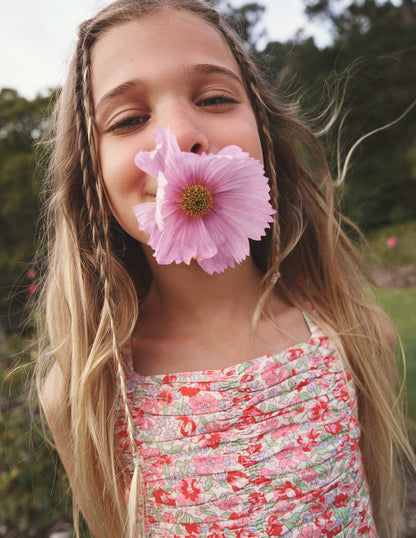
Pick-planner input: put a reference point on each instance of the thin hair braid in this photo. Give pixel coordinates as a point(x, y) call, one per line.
point(98, 211)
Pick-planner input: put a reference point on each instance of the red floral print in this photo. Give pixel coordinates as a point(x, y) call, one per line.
point(269, 447)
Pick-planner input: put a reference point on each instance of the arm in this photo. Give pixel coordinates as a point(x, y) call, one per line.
point(51, 402)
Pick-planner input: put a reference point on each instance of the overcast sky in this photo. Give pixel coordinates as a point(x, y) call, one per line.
point(37, 36)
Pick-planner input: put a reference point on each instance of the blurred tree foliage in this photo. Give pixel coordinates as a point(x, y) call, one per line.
point(32, 492)
point(373, 59)
point(245, 20)
point(22, 121)
point(32, 487)
point(375, 43)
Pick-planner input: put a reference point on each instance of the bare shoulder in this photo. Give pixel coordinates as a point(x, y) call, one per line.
point(53, 400)
point(51, 395)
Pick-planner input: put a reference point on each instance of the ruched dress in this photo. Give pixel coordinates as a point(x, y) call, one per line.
point(268, 447)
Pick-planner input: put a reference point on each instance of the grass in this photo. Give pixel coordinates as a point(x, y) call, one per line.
point(402, 253)
point(401, 307)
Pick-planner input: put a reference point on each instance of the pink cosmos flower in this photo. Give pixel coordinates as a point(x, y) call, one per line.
point(207, 206)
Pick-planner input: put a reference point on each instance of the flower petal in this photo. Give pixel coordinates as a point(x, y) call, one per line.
point(152, 162)
point(182, 240)
point(240, 208)
point(145, 215)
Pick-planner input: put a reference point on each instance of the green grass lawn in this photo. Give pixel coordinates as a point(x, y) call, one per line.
point(401, 307)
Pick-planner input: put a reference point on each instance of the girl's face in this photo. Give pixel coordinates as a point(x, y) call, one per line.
point(167, 69)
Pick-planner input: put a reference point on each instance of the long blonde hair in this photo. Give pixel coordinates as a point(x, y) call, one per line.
point(96, 275)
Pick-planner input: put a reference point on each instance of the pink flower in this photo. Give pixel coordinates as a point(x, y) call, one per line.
point(31, 274)
point(203, 402)
point(188, 490)
point(237, 479)
point(391, 242)
point(210, 464)
point(274, 527)
point(291, 457)
point(228, 503)
point(168, 517)
point(163, 497)
point(33, 288)
point(192, 528)
point(188, 426)
point(207, 206)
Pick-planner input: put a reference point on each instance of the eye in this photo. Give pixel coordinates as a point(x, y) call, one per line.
point(128, 124)
point(217, 100)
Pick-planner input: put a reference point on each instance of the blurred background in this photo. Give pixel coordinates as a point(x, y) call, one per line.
point(310, 50)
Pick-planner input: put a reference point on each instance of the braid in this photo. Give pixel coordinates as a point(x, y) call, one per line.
point(100, 237)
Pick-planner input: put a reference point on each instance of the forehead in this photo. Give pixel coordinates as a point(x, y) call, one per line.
point(168, 38)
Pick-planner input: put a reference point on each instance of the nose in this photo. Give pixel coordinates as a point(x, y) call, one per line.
point(188, 128)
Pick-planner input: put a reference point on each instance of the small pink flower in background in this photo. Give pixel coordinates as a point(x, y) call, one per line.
point(31, 274)
point(33, 288)
point(207, 206)
point(391, 242)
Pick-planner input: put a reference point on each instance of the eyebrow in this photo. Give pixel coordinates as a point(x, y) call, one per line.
point(118, 91)
point(207, 69)
point(125, 87)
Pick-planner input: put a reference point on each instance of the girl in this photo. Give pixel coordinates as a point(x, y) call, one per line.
point(254, 401)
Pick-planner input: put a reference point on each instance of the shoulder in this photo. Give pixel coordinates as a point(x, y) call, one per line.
point(52, 398)
point(51, 394)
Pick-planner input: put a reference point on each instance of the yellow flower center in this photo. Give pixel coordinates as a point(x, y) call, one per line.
point(196, 200)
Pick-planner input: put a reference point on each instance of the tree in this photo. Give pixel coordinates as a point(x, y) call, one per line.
point(21, 123)
point(373, 57)
point(245, 20)
point(358, 14)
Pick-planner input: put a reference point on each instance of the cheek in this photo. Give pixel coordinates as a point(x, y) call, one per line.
point(125, 185)
point(250, 138)
point(122, 179)
point(257, 152)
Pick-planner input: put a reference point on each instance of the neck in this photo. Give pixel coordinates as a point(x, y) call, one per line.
point(184, 291)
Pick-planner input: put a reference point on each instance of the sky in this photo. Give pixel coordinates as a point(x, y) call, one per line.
point(37, 37)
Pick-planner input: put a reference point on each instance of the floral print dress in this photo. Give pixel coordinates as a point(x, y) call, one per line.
point(268, 447)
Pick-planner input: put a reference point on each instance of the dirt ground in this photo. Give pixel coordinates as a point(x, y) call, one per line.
point(403, 277)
